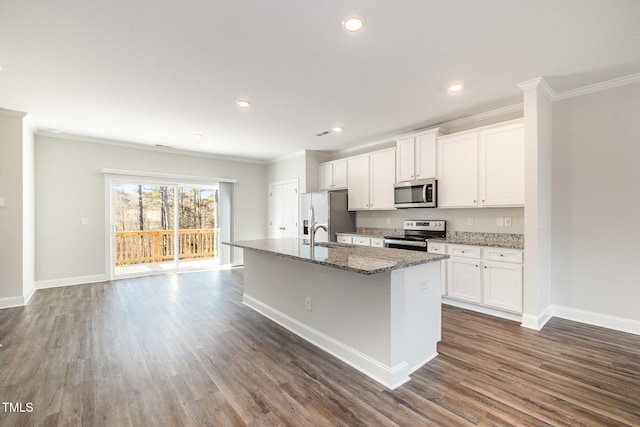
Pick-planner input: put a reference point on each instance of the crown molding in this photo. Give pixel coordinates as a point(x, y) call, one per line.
point(515, 108)
point(12, 113)
point(541, 84)
point(597, 87)
point(549, 92)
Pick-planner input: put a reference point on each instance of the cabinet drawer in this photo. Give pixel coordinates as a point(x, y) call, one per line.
point(436, 248)
point(378, 243)
point(344, 239)
point(464, 251)
point(362, 241)
point(502, 254)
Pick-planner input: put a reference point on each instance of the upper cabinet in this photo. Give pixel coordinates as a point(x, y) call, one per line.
point(482, 168)
point(416, 156)
point(502, 166)
point(371, 179)
point(333, 175)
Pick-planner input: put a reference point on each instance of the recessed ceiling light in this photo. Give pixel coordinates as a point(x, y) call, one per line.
point(198, 136)
point(353, 23)
point(243, 103)
point(456, 87)
point(337, 129)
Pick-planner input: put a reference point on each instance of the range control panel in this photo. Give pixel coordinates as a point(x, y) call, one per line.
point(426, 225)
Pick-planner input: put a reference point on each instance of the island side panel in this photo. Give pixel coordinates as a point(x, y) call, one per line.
point(350, 308)
point(416, 314)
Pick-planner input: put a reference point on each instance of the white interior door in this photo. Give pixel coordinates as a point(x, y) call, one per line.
point(283, 209)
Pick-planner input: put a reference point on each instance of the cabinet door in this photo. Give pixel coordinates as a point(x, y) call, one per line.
point(383, 176)
point(464, 279)
point(502, 166)
point(503, 285)
point(458, 171)
point(361, 241)
point(340, 174)
point(426, 156)
point(405, 155)
point(378, 243)
point(325, 176)
point(358, 176)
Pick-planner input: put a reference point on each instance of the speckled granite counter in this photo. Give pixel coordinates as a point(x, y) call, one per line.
point(358, 259)
point(496, 240)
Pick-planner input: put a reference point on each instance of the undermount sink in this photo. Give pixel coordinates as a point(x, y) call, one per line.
point(334, 245)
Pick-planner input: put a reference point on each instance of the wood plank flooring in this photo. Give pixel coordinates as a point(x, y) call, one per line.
point(182, 350)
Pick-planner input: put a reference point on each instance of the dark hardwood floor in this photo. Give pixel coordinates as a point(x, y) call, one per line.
point(182, 350)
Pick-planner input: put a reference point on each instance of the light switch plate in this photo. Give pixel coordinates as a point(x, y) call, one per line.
point(500, 222)
point(84, 221)
point(1, 202)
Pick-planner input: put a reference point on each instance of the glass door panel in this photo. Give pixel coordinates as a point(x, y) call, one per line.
point(144, 228)
point(198, 230)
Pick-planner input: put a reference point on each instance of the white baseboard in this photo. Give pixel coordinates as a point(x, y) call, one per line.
point(482, 309)
point(390, 377)
point(597, 319)
point(537, 322)
point(29, 294)
point(10, 302)
point(79, 280)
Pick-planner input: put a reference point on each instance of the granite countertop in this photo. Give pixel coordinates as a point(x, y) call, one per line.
point(358, 259)
point(496, 240)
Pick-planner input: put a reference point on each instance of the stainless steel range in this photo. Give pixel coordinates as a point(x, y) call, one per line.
point(416, 234)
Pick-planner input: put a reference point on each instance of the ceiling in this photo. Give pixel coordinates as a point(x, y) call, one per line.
point(156, 72)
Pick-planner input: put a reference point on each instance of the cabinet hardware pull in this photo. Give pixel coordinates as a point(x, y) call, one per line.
point(501, 255)
point(485, 266)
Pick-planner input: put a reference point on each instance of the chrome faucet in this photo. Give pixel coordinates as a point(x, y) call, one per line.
point(312, 232)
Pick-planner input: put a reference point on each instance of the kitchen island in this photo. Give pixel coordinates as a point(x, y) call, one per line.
point(376, 309)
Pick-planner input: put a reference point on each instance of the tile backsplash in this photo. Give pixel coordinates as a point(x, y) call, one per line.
point(480, 220)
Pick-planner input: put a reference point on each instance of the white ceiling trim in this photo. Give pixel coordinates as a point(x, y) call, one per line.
point(554, 96)
point(597, 87)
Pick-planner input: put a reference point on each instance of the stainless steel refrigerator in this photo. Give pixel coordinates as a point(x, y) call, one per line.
point(327, 207)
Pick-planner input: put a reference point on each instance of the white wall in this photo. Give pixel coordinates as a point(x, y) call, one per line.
point(11, 215)
point(484, 219)
point(70, 186)
point(28, 210)
point(596, 202)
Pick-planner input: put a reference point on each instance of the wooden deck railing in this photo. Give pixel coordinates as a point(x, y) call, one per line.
point(139, 247)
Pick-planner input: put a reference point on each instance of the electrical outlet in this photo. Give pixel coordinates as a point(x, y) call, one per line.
point(388, 221)
point(507, 221)
point(1, 202)
point(500, 222)
point(470, 221)
point(424, 285)
point(84, 221)
point(307, 303)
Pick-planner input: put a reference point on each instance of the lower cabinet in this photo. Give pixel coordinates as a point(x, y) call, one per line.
point(464, 280)
point(361, 240)
point(503, 285)
point(487, 276)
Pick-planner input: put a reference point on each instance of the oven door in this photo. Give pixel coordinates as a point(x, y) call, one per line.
point(411, 245)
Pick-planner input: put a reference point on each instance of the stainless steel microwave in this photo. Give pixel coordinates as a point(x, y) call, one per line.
point(416, 194)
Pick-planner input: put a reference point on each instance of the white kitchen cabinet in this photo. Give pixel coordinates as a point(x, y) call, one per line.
point(416, 156)
point(464, 280)
point(503, 285)
point(345, 239)
point(482, 168)
point(371, 179)
point(486, 276)
point(502, 166)
point(333, 175)
point(458, 171)
point(377, 242)
point(358, 172)
point(361, 241)
point(382, 180)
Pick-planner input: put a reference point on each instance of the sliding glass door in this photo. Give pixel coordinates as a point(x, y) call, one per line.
point(159, 228)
